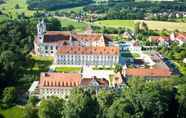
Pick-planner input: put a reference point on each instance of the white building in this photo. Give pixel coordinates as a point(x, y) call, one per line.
point(58, 84)
point(76, 55)
point(46, 43)
point(129, 46)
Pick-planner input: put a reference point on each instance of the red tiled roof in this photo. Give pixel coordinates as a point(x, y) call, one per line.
point(143, 72)
point(52, 79)
point(88, 50)
point(55, 36)
point(181, 36)
point(159, 38)
point(101, 82)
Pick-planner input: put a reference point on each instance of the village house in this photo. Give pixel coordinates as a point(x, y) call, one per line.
point(161, 40)
point(178, 37)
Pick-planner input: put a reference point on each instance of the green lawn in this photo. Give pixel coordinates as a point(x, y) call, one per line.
point(79, 26)
point(130, 55)
point(68, 69)
point(116, 23)
point(9, 8)
point(13, 112)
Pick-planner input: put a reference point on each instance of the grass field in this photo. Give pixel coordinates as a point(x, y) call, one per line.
point(170, 26)
point(79, 27)
point(116, 23)
point(68, 69)
point(14, 112)
point(9, 8)
point(155, 25)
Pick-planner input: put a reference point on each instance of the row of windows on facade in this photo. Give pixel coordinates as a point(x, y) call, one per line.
point(58, 84)
point(88, 57)
point(86, 63)
point(60, 91)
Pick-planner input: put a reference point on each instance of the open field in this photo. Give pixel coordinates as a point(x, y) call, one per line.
point(170, 26)
point(10, 9)
point(116, 23)
point(68, 69)
point(155, 25)
point(79, 26)
point(13, 112)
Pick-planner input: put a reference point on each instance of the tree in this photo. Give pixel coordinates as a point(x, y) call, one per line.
point(9, 95)
point(144, 27)
point(81, 105)
point(51, 108)
point(118, 68)
point(53, 24)
point(30, 112)
point(105, 100)
point(32, 100)
point(137, 27)
point(181, 97)
point(121, 108)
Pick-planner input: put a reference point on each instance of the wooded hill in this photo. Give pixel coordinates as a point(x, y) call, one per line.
point(56, 4)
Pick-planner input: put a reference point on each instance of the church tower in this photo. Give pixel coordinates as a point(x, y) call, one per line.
point(41, 29)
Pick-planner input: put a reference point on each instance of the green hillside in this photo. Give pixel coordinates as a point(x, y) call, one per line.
point(56, 4)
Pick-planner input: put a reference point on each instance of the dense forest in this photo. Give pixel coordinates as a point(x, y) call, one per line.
point(56, 4)
point(136, 10)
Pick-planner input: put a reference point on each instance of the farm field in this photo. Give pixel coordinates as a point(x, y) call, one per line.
point(116, 23)
point(155, 25)
point(79, 26)
point(11, 7)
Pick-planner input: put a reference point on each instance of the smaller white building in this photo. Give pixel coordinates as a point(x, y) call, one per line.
point(184, 60)
point(131, 46)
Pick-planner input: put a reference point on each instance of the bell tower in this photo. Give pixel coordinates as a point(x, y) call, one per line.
point(41, 29)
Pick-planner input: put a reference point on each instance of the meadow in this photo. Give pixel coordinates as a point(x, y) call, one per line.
point(14, 7)
point(154, 25)
point(79, 26)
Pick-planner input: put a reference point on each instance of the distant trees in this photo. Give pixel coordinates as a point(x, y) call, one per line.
point(56, 4)
point(138, 10)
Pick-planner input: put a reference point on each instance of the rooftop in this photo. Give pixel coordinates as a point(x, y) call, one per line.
point(89, 50)
point(52, 79)
point(146, 72)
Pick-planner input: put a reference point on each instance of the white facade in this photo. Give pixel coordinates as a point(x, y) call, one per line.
point(129, 46)
point(76, 59)
point(61, 92)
